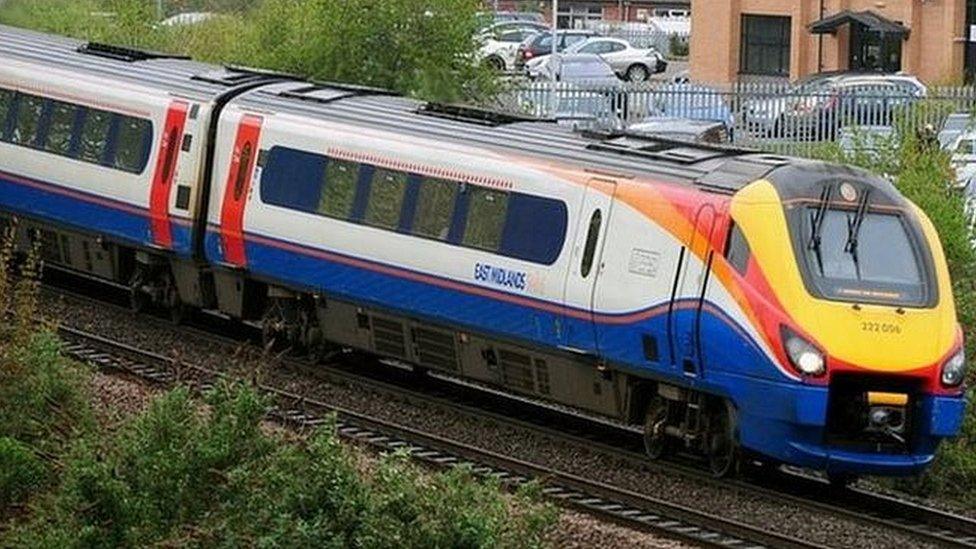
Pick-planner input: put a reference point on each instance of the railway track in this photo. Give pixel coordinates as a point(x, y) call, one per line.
point(926, 523)
point(609, 502)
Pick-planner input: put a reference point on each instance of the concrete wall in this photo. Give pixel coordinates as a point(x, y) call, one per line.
point(933, 51)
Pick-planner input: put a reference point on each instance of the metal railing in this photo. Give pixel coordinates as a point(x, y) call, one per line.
point(768, 116)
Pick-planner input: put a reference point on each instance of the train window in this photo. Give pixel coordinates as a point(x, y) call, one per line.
point(6, 99)
point(435, 208)
point(737, 250)
point(94, 135)
point(386, 199)
point(132, 151)
point(61, 126)
point(592, 237)
point(486, 218)
point(535, 228)
point(339, 190)
point(28, 120)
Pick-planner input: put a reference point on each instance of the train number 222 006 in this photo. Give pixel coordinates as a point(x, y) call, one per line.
point(880, 327)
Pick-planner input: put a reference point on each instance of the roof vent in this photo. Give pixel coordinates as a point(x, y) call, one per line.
point(236, 76)
point(120, 53)
point(325, 93)
point(473, 115)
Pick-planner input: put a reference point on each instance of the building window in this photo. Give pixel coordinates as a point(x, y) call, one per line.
point(578, 17)
point(765, 45)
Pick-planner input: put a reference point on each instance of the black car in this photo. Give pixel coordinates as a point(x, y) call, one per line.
point(541, 44)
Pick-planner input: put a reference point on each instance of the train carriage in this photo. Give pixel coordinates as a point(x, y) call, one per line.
point(725, 300)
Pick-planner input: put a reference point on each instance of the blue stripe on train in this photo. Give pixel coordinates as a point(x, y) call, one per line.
point(86, 211)
point(536, 322)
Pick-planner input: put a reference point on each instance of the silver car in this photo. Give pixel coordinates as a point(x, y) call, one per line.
point(630, 63)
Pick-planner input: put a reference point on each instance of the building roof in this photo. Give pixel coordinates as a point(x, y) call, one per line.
point(870, 19)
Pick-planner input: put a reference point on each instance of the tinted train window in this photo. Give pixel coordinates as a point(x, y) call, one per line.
point(486, 218)
point(6, 99)
point(22, 116)
point(27, 121)
point(386, 199)
point(94, 136)
point(737, 250)
point(435, 208)
point(516, 225)
point(592, 237)
point(133, 143)
point(339, 191)
point(60, 128)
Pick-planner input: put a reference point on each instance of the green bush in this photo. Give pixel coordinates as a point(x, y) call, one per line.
point(21, 472)
point(181, 475)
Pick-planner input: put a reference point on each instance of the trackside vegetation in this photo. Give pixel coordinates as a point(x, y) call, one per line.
point(209, 473)
point(424, 48)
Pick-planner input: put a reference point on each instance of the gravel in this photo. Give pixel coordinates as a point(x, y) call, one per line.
point(782, 517)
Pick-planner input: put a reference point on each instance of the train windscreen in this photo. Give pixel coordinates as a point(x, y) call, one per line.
point(862, 256)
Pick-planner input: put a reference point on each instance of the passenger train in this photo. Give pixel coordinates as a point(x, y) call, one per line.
point(728, 302)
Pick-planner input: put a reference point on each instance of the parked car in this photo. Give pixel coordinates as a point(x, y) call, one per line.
point(683, 129)
point(955, 125)
point(488, 18)
point(693, 102)
point(541, 44)
point(817, 106)
point(630, 63)
point(874, 142)
point(500, 42)
point(963, 157)
point(587, 68)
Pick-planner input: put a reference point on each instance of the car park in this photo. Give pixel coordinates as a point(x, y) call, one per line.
point(541, 44)
point(630, 63)
point(822, 103)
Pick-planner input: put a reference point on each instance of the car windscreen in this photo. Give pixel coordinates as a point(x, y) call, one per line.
point(872, 260)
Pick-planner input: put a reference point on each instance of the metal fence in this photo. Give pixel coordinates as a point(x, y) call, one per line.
point(767, 116)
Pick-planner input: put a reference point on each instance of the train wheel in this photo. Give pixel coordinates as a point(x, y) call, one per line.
point(722, 447)
point(139, 300)
point(657, 443)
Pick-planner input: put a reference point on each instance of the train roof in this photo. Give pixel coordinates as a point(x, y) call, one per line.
point(718, 168)
point(169, 73)
point(714, 168)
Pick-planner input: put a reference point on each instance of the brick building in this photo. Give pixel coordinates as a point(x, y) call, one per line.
point(744, 39)
point(574, 13)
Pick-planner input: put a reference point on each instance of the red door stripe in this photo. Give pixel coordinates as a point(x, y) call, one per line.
point(162, 182)
point(237, 189)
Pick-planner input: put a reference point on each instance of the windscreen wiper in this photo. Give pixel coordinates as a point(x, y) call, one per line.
point(854, 228)
point(816, 223)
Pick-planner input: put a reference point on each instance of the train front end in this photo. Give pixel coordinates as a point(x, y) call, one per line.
point(857, 304)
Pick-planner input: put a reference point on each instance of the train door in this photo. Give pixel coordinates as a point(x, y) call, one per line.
point(237, 189)
point(170, 143)
point(688, 299)
point(579, 333)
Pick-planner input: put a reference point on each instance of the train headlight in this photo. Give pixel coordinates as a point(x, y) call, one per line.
point(954, 370)
point(805, 356)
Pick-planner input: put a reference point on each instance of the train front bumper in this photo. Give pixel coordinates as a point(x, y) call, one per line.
point(789, 423)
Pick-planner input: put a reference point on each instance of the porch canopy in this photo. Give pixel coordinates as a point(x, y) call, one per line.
point(871, 20)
